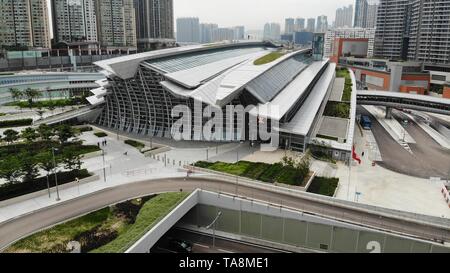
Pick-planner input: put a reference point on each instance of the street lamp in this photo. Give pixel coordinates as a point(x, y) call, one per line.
point(150, 133)
point(104, 165)
point(56, 174)
point(213, 224)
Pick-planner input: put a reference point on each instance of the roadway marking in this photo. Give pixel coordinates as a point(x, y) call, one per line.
point(226, 251)
point(200, 245)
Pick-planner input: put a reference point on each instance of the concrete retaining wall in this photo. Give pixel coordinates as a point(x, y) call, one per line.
point(44, 192)
point(151, 237)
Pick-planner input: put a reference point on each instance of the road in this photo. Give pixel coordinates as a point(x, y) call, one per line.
point(427, 160)
point(203, 243)
point(18, 228)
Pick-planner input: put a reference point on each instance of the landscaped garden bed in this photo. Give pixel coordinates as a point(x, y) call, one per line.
point(337, 109)
point(100, 134)
point(109, 230)
point(324, 186)
point(15, 123)
point(135, 144)
point(290, 173)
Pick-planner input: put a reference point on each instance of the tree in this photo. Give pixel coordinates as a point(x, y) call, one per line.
point(64, 132)
point(71, 159)
point(29, 134)
point(32, 94)
point(16, 94)
point(45, 132)
point(45, 162)
point(29, 166)
point(11, 169)
point(11, 136)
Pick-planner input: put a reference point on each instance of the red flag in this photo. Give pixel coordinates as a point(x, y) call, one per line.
point(355, 156)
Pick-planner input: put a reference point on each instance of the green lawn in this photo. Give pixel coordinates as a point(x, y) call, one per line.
point(150, 214)
point(324, 186)
point(259, 171)
point(268, 58)
point(109, 230)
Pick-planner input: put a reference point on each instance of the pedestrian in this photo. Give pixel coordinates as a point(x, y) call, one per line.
point(98, 144)
point(106, 142)
point(362, 154)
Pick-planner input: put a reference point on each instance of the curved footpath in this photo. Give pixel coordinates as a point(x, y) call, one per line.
point(20, 227)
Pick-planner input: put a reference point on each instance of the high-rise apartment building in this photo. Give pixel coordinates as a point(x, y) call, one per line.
point(272, 31)
point(311, 26)
point(116, 23)
point(188, 30)
point(206, 31)
point(322, 24)
point(344, 17)
point(223, 34)
point(300, 24)
point(349, 33)
point(289, 26)
point(239, 33)
point(74, 20)
point(25, 23)
point(365, 13)
point(429, 33)
point(154, 23)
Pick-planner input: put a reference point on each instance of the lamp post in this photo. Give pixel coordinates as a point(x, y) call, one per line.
point(104, 165)
point(150, 133)
point(213, 224)
point(56, 175)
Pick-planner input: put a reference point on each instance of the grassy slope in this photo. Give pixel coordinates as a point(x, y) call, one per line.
point(151, 212)
point(55, 239)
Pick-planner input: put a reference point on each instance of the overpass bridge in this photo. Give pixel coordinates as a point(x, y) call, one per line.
point(404, 101)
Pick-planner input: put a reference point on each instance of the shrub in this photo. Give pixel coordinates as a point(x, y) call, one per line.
point(86, 129)
point(337, 109)
point(135, 144)
point(16, 123)
point(100, 134)
point(8, 191)
point(324, 186)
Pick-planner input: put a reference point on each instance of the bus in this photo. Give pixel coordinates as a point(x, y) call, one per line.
point(366, 123)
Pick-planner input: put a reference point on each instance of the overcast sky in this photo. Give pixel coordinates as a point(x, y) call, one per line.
point(253, 14)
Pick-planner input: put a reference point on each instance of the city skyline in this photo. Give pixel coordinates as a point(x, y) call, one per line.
point(265, 12)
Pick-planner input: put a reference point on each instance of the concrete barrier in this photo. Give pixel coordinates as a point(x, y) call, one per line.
point(92, 155)
point(44, 192)
point(164, 225)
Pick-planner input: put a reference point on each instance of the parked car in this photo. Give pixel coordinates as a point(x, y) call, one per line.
point(180, 246)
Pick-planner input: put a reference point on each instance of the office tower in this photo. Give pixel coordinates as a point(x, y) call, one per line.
point(188, 30)
point(74, 20)
point(429, 34)
point(289, 26)
point(116, 23)
point(300, 24)
point(154, 24)
point(349, 33)
point(365, 13)
point(322, 24)
point(239, 33)
point(272, 31)
point(392, 33)
point(344, 17)
point(206, 31)
point(222, 34)
point(311, 26)
point(25, 23)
